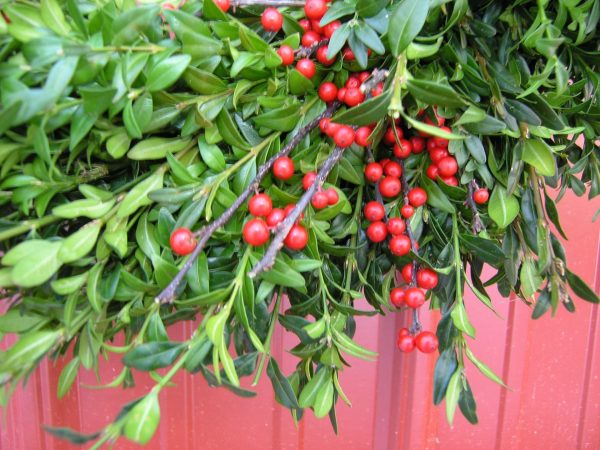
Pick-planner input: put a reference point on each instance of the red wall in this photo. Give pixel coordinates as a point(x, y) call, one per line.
point(551, 365)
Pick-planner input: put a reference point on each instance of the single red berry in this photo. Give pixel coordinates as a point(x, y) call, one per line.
point(405, 342)
point(393, 169)
point(328, 91)
point(271, 20)
point(377, 232)
point(407, 272)
point(396, 226)
point(341, 94)
point(374, 211)
point(308, 179)
point(363, 76)
point(316, 26)
point(223, 4)
point(353, 97)
point(288, 209)
point(418, 144)
point(319, 200)
point(305, 24)
point(333, 128)
point(373, 172)
point(361, 136)
point(450, 181)
point(390, 137)
point(402, 149)
point(447, 166)
point(437, 154)
point(414, 297)
point(286, 53)
point(426, 342)
point(260, 205)
point(390, 187)
point(348, 54)
point(332, 196)
point(432, 171)
point(400, 245)
point(256, 232)
point(431, 145)
point(384, 162)
point(322, 56)
point(306, 67)
point(324, 124)
point(377, 90)
point(352, 82)
point(344, 136)
point(275, 217)
point(283, 168)
point(315, 9)
point(397, 297)
point(182, 241)
point(417, 197)
point(403, 332)
point(481, 196)
point(427, 278)
point(330, 28)
point(297, 238)
point(309, 38)
point(407, 211)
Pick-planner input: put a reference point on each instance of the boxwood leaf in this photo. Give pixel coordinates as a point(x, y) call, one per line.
point(406, 22)
point(581, 289)
point(153, 355)
point(503, 209)
point(538, 154)
point(167, 72)
point(142, 421)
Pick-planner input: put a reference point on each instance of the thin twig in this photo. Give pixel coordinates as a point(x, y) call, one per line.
point(476, 224)
point(284, 227)
point(305, 52)
point(377, 76)
point(204, 234)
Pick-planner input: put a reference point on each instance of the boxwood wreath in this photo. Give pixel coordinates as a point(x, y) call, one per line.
point(137, 141)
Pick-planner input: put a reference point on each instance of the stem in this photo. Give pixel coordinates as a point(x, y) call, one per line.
point(272, 3)
point(284, 227)
point(168, 294)
point(269, 338)
point(305, 52)
point(457, 261)
point(476, 224)
point(28, 225)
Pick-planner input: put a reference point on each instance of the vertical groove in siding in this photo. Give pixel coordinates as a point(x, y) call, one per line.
point(505, 370)
point(589, 356)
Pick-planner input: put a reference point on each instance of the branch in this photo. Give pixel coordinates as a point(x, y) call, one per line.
point(284, 227)
point(305, 52)
point(377, 76)
point(204, 234)
point(477, 224)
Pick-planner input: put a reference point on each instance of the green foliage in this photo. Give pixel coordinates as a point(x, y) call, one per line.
point(120, 123)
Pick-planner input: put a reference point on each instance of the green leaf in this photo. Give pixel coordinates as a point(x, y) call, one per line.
point(530, 278)
point(452, 395)
point(281, 119)
point(538, 154)
point(37, 268)
point(91, 208)
point(142, 421)
point(229, 131)
point(430, 129)
point(435, 197)
point(483, 368)
point(473, 114)
point(503, 209)
point(71, 435)
point(370, 8)
point(467, 404)
point(138, 196)
point(28, 349)
point(118, 144)
point(581, 289)
point(153, 355)
point(338, 40)
point(283, 275)
point(444, 369)
point(228, 365)
point(211, 155)
point(157, 148)
point(336, 11)
point(67, 377)
point(370, 111)
point(284, 393)
point(203, 82)
point(406, 22)
point(324, 400)
point(311, 389)
point(461, 320)
point(552, 212)
point(485, 249)
point(167, 72)
point(476, 149)
point(53, 17)
point(370, 38)
point(434, 93)
point(80, 243)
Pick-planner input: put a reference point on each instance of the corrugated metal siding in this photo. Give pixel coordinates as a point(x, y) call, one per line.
point(551, 366)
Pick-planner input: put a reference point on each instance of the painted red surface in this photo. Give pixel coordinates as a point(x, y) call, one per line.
point(551, 365)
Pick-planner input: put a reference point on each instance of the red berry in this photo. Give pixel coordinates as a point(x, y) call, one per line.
point(405, 342)
point(330, 28)
point(316, 26)
point(396, 226)
point(432, 171)
point(361, 136)
point(378, 90)
point(286, 53)
point(427, 342)
point(373, 171)
point(400, 245)
point(305, 24)
point(288, 209)
point(407, 211)
point(260, 205)
point(442, 142)
point(450, 181)
point(332, 196)
point(402, 149)
point(414, 297)
point(397, 297)
point(319, 200)
point(271, 20)
point(393, 169)
point(374, 211)
point(418, 144)
point(390, 137)
point(309, 38)
point(437, 154)
point(333, 128)
point(308, 180)
point(353, 97)
point(417, 197)
point(324, 124)
point(328, 92)
point(275, 217)
point(390, 187)
point(438, 123)
point(223, 4)
point(322, 56)
point(431, 145)
point(256, 232)
point(447, 166)
point(344, 136)
point(427, 278)
point(377, 232)
point(384, 162)
point(297, 238)
point(348, 54)
point(363, 76)
point(352, 82)
point(315, 9)
point(182, 241)
point(481, 196)
point(403, 332)
point(306, 67)
point(283, 168)
point(407, 271)
point(341, 94)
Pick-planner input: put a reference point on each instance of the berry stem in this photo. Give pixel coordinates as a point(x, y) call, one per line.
point(168, 294)
point(284, 227)
point(476, 223)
